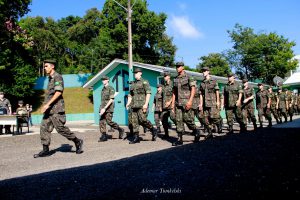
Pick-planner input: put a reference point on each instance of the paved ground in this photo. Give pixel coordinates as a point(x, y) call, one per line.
point(239, 166)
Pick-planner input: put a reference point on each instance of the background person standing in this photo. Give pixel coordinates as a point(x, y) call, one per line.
point(5, 109)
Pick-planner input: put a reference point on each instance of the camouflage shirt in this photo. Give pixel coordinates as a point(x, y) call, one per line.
point(138, 91)
point(282, 100)
point(5, 104)
point(196, 100)
point(231, 94)
point(273, 97)
point(182, 89)
point(295, 99)
point(298, 101)
point(289, 98)
point(107, 93)
point(248, 92)
point(262, 98)
point(167, 91)
point(208, 90)
point(158, 102)
point(56, 83)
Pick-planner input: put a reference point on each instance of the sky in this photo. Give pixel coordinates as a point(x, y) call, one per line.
point(199, 27)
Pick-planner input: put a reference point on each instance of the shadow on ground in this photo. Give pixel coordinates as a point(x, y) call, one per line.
point(257, 165)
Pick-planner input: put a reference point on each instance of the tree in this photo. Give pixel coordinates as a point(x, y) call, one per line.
point(260, 56)
point(216, 62)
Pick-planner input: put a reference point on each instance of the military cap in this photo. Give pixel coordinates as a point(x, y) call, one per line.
point(136, 70)
point(178, 64)
point(1, 92)
point(20, 102)
point(259, 84)
point(159, 85)
point(285, 89)
point(52, 61)
point(230, 74)
point(104, 78)
point(245, 80)
point(205, 69)
point(166, 73)
point(270, 87)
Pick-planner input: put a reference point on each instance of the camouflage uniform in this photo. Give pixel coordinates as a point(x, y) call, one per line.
point(298, 103)
point(208, 90)
point(158, 101)
point(55, 117)
point(290, 105)
point(248, 107)
point(273, 109)
point(262, 98)
point(107, 93)
point(138, 91)
point(167, 91)
point(182, 90)
point(231, 94)
point(295, 98)
point(4, 109)
point(196, 101)
point(282, 106)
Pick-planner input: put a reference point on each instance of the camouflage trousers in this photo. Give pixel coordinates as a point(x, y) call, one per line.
point(107, 118)
point(199, 115)
point(157, 118)
point(57, 121)
point(274, 112)
point(282, 113)
point(237, 112)
point(264, 112)
point(184, 116)
point(211, 116)
point(164, 118)
point(291, 111)
point(248, 111)
point(138, 117)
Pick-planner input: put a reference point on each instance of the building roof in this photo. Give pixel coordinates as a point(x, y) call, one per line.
point(293, 80)
point(116, 62)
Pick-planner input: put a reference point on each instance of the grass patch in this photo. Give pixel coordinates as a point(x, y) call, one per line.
point(76, 101)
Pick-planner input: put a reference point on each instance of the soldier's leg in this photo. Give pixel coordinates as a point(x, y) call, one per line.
point(284, 114)
point(291, 112)
point(114, 125)
point(46, 128)
point(157, 120)
point(164, 119)
point(130, 127)
point(267, 113)
point(102, 128)
point(240, 119)
point(274, 113)
point(135, 126)
point(179, 126)
point(142, 117)
point(229, 117)
point(205, 121)
point(215, 118)
point(252, 117)
point(189, 119)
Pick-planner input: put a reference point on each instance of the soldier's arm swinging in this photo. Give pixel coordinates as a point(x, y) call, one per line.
point(277, 103)
point(145, 106)
point(238, 102)
point(56, 95)
point(218, 98)
point(190, 102)
point(201, 102)
point(269, 102)
point(128, 101)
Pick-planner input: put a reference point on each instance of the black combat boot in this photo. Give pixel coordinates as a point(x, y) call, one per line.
point(154, 134)
point(270, 123)
point(197, 135)
point(230, 129)
point(44, 153)
point(255, 126)
point(145, 129)
point(103, 137)
point(179, 140)
point(210, 134)
point(219, 126)
point(166, 134)
point(260, 125)
point(285, 119)
point(277, 121)
point(136, 139)
point(291, 118)
point(121, 133)
point(78, 145)
point(243, 129)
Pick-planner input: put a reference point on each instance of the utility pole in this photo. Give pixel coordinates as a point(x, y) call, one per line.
point(130, 61)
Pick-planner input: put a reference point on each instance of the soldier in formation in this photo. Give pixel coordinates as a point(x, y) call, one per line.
point(54, 112)
point(282, 105)
point(138, 100)
point(157, 107)
point(290, 103)
point(106, 110)
point(263, 104)
point(273, 97)
point(182, 101)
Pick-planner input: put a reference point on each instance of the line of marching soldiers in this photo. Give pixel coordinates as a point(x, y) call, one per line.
point(182, 100)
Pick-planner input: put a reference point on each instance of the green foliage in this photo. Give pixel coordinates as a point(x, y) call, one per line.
point(260, 56)
point(216, 62)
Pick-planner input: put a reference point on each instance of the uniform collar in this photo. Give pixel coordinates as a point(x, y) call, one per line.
point(51, 76)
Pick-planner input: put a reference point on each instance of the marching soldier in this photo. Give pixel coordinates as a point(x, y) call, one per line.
point(248, 105)
point(140, 95)
point(196, 106)
point(210, 103)
point(273, 109)
point(290, 102)
point(233, 93)
point(295, 99)
point(167, 92)
point(157, 107)
point(282, 105)
point(183, 94)
point(263, 104)
point(106, 110)
point(298, 103)
point(54, 112)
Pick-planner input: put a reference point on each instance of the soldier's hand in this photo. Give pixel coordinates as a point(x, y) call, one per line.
point(277, 107)
point(188, 105)
point(218, 105)
point(167, 104)
point(44, 108)
point(200, 108)
point(238, 103)
point(102, 111)
point(145, 107)
point(245, 101)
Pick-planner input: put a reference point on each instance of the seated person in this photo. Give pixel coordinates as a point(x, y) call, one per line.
point(22, 115)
